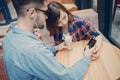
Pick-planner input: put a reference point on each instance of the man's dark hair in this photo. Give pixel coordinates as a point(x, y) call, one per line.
point(19, 5)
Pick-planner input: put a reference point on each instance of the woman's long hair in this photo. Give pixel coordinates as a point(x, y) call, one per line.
point(54, 16)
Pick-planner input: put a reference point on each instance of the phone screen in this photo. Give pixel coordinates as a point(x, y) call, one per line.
point(91, 43)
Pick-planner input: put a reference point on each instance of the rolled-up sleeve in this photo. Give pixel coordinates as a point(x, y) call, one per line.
point(90, 30)
point(42, 64)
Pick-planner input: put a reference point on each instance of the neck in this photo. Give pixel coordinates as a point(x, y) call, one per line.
point(25, 24)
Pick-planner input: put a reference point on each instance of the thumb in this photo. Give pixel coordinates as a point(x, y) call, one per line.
point(87, 47)
point(93, 48)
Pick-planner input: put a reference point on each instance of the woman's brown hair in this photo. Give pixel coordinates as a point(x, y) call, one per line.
point(54, 15)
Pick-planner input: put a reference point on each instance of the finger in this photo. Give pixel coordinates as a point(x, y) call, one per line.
point(65, 47)
point(94, 55)
point(97, 54)
point(96, 50)
point(63, 43)
point(87, 47)
point(57, 42)
point(93, 48)
point(93, 58)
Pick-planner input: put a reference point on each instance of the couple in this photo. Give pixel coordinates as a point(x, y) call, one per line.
point(28, 58)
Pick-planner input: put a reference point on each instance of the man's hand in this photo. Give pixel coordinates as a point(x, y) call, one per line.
point(91, 52)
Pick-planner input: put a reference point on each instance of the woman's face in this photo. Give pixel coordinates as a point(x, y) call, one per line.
point(63, 21)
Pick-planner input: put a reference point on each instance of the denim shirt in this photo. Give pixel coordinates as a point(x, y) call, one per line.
point(28, 58)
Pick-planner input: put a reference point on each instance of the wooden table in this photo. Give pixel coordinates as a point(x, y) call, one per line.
point(106, 67)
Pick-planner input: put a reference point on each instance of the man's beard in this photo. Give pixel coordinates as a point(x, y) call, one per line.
point(38, 25)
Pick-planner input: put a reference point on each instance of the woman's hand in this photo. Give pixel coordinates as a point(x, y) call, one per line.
point(61, 46)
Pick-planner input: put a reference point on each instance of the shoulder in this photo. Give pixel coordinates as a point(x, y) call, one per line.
point(78, 20)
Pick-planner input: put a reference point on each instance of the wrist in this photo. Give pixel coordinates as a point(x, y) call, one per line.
point(88, 58)
point(86, 55)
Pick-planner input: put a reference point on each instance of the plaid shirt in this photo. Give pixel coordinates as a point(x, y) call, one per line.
point(79, 30)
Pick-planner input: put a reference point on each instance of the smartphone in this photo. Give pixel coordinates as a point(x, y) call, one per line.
point(91, 43)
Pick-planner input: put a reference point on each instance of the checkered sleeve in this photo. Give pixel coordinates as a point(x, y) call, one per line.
point(81, 29)
point(89, 30)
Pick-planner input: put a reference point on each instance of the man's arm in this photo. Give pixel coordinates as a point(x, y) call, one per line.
point(53, 49)
point(44, 65)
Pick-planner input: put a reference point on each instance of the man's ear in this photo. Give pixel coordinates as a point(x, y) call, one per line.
point(33, 15)
point(31, 12)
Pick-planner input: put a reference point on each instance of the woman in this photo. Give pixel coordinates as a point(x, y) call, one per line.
point(60, 21)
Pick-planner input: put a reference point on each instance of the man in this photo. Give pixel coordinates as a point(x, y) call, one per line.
point(28, 58)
